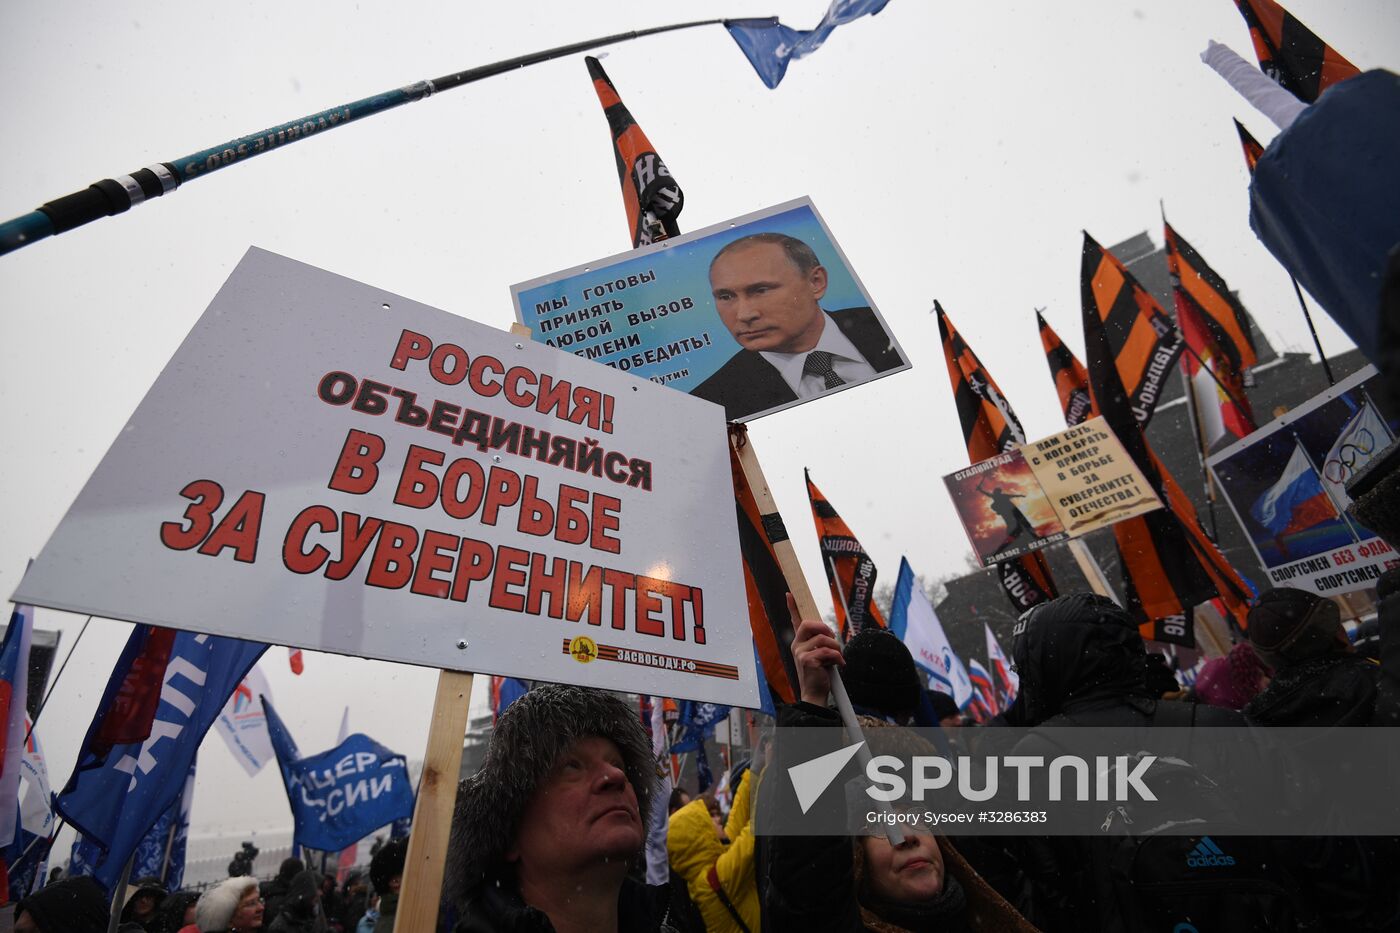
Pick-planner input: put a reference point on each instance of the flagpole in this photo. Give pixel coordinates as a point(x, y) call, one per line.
point(169, 844)
point(48, 693)
point(840, 594)
point(114, 196)
point(1089, 566)
point(1200, 445)
point(119, 896)
point(1326, 367)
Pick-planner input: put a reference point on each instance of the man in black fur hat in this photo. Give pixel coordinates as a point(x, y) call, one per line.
point(543, 835)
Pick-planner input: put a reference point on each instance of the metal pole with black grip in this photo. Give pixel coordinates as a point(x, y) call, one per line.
point(118, 195)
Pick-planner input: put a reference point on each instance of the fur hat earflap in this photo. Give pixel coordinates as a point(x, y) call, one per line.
point(529, 737)
point(216, 907)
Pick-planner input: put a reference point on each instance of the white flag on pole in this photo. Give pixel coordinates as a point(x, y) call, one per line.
point(912, 618)
point(243, 724)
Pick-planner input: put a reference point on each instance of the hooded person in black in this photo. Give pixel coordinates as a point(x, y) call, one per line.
point(1319, 680)
point(301, 908)
point(1082, 663)
point(74, 905)
point(274, 891)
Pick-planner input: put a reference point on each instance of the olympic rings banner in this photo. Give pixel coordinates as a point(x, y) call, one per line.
point(1286, 485)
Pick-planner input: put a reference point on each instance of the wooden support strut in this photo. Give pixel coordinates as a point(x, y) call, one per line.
point(432, 812)
point(802, 595)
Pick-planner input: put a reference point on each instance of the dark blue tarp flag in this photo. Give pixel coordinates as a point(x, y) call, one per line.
point(340, 796)
point(1325, 202)
point(161, 852)
point(697, 723)
point(770, 45)
point(116, 793)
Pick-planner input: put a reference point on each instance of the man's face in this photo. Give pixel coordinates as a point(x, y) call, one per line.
point(585, 811)
point(766, 301)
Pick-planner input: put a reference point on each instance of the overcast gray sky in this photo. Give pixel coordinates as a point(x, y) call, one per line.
point(955, 150)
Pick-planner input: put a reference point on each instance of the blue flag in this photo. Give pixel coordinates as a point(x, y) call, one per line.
point(161, 852)
point(697, 722)
point(765, 696)
point(340, 796)
point(117, 793)
point(770, 45)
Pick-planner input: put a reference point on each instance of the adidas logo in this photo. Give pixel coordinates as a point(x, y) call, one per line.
point(1208, 855)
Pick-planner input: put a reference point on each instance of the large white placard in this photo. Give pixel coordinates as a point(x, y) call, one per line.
point(327, 465)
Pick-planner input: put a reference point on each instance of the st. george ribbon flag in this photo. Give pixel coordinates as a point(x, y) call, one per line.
point(342, 795)
point(1291, 53)
point(118, 791)
point(651, 197)
point(770, 45)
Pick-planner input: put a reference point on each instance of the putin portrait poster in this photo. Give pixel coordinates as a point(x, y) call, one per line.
point(756, 314)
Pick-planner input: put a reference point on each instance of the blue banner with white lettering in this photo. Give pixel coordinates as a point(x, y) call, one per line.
point(114, 798)
point(340, 796)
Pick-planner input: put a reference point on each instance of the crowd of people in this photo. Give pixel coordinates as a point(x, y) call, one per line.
point(297, 900)
point(550, 833)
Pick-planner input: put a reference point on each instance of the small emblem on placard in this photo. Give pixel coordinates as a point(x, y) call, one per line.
point(583, 648)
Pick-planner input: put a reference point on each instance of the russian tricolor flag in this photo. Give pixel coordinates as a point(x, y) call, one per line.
point(1297, 501)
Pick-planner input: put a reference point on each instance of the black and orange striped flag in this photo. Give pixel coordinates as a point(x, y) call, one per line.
point(1143, 338)
point(1215, 381)
point(1291, 53)
point(652, 197)
point(988, 423)
point(1196, 284)
point(849, 570)
point(766, 588)
point(1169, 561)
point(1253, 151)
point(1215, 327)
point(989, 428)
point(1071, 380)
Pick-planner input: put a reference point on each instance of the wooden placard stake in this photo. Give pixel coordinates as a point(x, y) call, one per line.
point(1098, 582)
point(802, 595)
point(432, 813)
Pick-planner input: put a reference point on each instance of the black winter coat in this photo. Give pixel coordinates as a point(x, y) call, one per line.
point(641, 908)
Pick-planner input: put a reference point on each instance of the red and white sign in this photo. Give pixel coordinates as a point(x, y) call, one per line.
point(328, 466)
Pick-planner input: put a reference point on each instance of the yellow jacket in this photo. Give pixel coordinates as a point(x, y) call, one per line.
point(695, 849)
